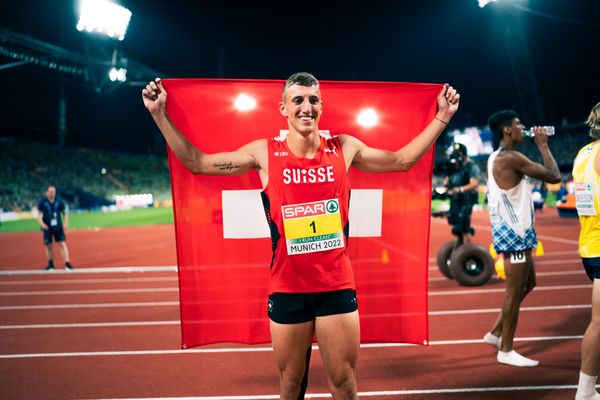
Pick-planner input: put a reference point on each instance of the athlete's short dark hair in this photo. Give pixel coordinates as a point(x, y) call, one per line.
point(299, 78)
point(498, 121)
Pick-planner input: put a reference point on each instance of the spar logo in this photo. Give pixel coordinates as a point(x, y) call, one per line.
point(332, 206)
point(310, 209)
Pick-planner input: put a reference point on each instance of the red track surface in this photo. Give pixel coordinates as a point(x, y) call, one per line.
point(56, 352)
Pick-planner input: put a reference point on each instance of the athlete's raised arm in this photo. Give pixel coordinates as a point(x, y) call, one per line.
point(371, 159)
point(244, 159)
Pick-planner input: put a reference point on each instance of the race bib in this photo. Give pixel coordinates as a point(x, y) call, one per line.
point(584, 199)
point(518, 257)
point(312, 227)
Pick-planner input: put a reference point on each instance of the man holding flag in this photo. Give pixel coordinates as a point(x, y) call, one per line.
point(306, 200)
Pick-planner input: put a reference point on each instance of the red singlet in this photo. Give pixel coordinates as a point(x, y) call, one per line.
point(306, 202)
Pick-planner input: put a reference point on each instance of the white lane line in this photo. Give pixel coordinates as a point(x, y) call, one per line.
point(551, 262)
point(90, 281)
point(387, 315)
point(91, 291)
point(501, 290)
point(538, 274)
point(175, 279)
point(91, 305)
point(173, 268)
point(522, 309)
point(404, 392)
point(144, 269)
point(577, 261)
point(267, 349)
point(90, 325)
point(175, 289)
point(176, 304)
point(559, 240)
point(104, 270)
point(559, 273)
point(432, 267)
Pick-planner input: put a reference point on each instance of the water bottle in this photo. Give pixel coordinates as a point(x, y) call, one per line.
point(549, 131)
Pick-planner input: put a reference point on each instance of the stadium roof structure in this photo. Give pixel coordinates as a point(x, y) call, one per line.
point(92, 67)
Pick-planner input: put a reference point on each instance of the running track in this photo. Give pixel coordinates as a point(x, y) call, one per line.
point(110, 329)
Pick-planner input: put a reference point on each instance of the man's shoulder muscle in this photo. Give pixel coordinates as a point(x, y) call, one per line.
point(511, 159)
point(258, 149)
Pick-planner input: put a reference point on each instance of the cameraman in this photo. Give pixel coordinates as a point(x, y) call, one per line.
point(462, 181)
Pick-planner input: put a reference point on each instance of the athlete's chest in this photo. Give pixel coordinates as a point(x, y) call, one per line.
point(326, 167)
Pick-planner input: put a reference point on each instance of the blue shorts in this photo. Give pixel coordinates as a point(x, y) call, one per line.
point(592, 267)
point(57, 233)
point(506, 240)
point(295, 308)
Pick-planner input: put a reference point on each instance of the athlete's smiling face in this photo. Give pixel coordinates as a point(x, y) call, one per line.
point(302, 108)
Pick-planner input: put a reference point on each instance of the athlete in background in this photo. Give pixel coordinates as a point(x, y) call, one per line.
point(321, 298)
point(586, 175)
point(511, 214)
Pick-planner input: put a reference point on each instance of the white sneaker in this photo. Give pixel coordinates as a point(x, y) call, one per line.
point(492, 340)
point(515, 359)
point(595, 396)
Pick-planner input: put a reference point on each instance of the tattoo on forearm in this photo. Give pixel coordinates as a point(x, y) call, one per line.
point(226, 166)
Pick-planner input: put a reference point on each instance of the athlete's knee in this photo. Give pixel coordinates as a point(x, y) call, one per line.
point(512, 300)
point(595, 325)
point(289, 386)
point(290, 382)
point(513, 292)
point(344, 387)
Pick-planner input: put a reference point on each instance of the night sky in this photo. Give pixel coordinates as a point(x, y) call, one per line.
point(451, 41)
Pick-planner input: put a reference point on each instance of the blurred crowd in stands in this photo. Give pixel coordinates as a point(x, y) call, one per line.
point(28, 168)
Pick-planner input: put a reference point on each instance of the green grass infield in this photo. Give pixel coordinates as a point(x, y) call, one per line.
point(98, 219)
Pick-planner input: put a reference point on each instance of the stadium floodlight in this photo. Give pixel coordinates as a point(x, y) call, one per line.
point(119, 74)
point(483, 3)
point(105, 17)
point(244, 102)
point(367, 118)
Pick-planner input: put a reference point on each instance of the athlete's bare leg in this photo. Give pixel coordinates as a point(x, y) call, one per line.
point(290, 343)
point(590, 351)
point(520, 280)
point(339, 341)
point(531, 282)
point(590, 347)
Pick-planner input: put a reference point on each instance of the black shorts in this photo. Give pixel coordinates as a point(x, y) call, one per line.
point(57, 233)
point(592, 267)
point(295, 308)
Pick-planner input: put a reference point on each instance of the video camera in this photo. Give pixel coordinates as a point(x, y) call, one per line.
point(456, 157)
